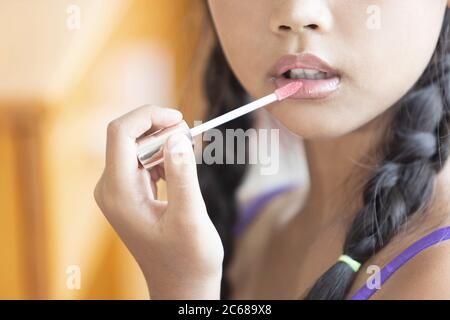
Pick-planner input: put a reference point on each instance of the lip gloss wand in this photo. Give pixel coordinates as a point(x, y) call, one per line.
point(150, 147)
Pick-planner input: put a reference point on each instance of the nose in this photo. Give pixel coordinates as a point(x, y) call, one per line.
point(298, 16)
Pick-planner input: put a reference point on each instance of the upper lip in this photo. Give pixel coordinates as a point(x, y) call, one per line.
point(302, 61)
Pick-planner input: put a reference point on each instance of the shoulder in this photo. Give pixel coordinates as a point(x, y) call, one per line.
point(251, 246)
point(267, 211)
point(426, 276)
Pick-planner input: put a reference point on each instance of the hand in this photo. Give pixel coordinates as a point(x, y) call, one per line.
point(174, 242)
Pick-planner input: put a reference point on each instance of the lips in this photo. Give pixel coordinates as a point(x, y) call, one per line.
point(318, 78)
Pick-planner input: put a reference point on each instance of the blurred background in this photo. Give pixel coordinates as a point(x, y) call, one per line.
point(68, 67)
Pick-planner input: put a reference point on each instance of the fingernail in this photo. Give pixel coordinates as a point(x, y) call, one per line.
point(178, 143)
point(175, 112)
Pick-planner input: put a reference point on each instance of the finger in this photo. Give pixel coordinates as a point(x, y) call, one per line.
point(122, 134)
point(154, 174)
point(161, 172)
point(138, 121)
point(183, 190)
point(154, 187)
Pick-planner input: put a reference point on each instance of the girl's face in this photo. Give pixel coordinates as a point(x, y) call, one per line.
point(370, 53)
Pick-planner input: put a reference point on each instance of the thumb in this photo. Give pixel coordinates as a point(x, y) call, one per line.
point(183, 190)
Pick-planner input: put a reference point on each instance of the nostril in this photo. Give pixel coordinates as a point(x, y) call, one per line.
point(312, 26)
point(284, 28)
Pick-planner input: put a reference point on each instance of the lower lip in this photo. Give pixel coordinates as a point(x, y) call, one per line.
point(312, 89)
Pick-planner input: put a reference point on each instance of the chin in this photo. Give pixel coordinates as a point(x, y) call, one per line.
point(310, 125)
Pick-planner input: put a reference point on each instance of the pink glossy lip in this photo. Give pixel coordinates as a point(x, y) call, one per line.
point(311, 89)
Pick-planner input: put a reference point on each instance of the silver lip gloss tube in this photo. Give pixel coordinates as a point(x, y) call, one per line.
point(150, 147)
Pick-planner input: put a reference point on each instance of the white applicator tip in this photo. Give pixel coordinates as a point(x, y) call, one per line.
point(279, 94)
point(288, 90)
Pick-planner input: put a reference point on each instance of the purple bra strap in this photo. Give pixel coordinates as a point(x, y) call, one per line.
point(429, 240)
point(250, 211)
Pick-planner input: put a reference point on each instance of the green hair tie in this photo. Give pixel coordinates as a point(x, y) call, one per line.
point(355, 265)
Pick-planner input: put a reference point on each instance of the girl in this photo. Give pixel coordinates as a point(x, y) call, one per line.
point(373, 113)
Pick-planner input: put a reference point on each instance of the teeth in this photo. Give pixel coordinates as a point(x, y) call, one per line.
point(297, 74)
point(310, 73)
point(306, 74)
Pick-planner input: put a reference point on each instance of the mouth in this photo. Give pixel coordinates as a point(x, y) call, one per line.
point(318, 78)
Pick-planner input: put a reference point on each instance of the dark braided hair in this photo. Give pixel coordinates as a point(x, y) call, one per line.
point(415, 149)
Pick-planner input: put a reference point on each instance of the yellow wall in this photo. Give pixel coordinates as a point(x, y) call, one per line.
point(13, 275)
point(49, 220)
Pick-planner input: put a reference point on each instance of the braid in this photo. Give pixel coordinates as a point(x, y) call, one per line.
point(219, 182)
point(403, 183)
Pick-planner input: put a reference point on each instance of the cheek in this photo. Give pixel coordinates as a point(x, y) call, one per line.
point(243, 31)
point(240, 23)
point(394, 57)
